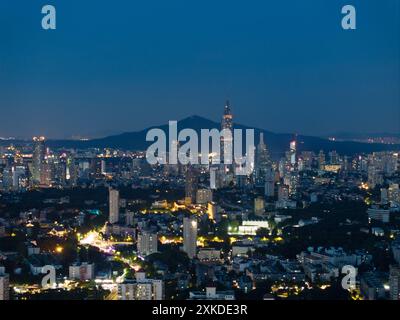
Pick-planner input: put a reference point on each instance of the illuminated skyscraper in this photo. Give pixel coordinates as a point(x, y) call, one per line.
point(227, 125)
point(38, 157)
point(293, 174)
point(114, 205)
point(190, 236)
point(262, 161)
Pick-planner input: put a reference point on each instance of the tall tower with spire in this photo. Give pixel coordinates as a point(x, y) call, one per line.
point(227, 119)
point(226, 124)
point(263, 161)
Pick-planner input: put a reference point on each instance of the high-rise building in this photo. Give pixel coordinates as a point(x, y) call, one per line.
point(394, 282)
point(191, 185)
point(147, 243)
point(269, 185)
point(190, 236)
point(38, 157)
point(263, 162)
point(4, 286)
point(114, 205)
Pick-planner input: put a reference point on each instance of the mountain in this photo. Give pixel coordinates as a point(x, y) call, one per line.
point(277, 143)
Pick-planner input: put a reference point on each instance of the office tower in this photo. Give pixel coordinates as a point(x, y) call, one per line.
point(147, 243)
point(38, 157)
point(114, 205)
point(4, 286)
point(191, 185)
point(394, 282)
point(269, 185)
point(259, 206)
point(190, 236)
point(227, 141)
point(203, 196)
point(263, 161)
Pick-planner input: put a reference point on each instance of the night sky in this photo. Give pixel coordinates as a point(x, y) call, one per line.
point(114, 66)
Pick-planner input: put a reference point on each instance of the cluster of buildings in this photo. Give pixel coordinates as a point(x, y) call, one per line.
point(230, 228)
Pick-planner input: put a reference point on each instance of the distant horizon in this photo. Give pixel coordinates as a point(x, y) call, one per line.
point(95, 136)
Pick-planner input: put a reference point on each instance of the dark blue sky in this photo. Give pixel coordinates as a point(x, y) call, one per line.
point(122, 65)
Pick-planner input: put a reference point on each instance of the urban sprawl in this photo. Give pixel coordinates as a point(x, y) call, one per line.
point(106, 224)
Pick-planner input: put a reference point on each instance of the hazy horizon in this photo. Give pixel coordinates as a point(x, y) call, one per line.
point(107, 133)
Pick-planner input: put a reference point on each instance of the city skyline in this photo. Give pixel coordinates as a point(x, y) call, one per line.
point(109, 224)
